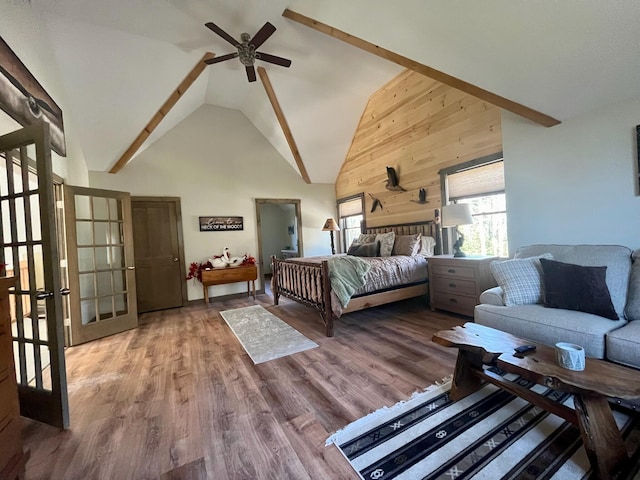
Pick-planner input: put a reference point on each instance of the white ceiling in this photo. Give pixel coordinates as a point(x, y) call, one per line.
point(119, 60)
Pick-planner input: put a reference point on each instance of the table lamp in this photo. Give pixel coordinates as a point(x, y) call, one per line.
point(331, 226)
point(454, 215)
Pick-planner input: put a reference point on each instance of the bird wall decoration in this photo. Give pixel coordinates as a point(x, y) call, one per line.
point(422, 196)
point(392, 181)
point(376, 203)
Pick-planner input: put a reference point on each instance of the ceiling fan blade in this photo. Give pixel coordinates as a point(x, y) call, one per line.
point(216, 29)
point(251, 73)
point(265, 32)
point(221, 58)
point(265, 57)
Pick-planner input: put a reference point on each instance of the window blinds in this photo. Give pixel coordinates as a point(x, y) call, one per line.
point(483, 180)
point(350, 207)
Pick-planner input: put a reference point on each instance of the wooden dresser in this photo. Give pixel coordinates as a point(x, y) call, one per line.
point(455, 284)
point(221, 276)
point(12, 456)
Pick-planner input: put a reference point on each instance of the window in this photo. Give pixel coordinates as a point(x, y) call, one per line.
point(488, 234)
point(480, 183)
point(350, 218)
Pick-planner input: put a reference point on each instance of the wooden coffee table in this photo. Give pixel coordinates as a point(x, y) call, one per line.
point(478, 345)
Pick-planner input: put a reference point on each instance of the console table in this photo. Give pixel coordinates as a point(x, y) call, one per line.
point(221, 276)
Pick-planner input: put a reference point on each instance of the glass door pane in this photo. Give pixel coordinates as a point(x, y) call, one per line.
point(29, 252)
point(99, 234)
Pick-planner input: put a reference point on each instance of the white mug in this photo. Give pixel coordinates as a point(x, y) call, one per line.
point(570, 356)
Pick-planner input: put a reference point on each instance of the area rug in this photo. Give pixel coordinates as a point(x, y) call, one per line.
point(263, 335)
point(490, 435)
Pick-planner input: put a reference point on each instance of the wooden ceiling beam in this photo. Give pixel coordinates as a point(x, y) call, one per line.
point(283, 123)
point(191, 77)
point(425, 70)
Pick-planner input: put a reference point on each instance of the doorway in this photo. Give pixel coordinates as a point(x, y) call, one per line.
point(279, 232)
point(159, 253)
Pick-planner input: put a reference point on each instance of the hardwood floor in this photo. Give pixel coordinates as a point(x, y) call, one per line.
point(178, 397)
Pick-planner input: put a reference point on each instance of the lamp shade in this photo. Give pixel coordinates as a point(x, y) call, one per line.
point(330, 226)
point(456, 214)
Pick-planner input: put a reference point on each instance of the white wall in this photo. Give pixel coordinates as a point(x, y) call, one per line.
point(218, 164)
point(575, 182)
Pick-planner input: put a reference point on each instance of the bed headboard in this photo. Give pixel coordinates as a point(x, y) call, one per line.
point(431, 228)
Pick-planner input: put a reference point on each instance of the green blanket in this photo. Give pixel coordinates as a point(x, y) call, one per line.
point(346, 274)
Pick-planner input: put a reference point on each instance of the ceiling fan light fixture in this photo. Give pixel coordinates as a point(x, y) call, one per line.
point(246, 51)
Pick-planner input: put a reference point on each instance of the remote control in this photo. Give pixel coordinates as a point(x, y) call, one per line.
point(525, 348)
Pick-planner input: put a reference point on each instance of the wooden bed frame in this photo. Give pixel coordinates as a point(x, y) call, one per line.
point(299, 275)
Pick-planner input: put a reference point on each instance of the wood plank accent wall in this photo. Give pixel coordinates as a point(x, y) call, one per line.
point(418, 126)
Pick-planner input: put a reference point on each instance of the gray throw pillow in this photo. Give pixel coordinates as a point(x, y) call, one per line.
point(520, 279)
point(406, 245)
point(364, 249)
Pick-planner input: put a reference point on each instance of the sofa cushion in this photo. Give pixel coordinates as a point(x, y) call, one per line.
point(576, 287)
point(520, 279)
point(623, 345)
point(492, 296)
point(616, 258)
point(632, 309)
point(550, 326)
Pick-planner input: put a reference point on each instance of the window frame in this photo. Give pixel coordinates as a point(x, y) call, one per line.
point(444, 173)
point(343, 237)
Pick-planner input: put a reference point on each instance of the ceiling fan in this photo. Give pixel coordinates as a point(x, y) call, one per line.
point(247, 49)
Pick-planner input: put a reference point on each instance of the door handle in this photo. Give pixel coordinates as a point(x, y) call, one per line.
point(43, 294)
point(175, 259)
point(65, 291)
point(131, 268)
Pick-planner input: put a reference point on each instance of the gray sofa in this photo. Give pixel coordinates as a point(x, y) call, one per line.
point(615, 340)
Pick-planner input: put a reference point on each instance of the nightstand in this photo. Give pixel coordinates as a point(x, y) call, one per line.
point(455, 284)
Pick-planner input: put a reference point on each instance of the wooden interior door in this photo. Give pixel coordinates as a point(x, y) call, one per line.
point(159, 253)
point(30, 253)
point(100, 263)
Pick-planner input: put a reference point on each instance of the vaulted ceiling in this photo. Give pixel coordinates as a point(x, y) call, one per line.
point(119, 61)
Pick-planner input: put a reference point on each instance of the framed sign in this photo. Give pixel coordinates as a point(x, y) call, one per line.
point(221, 224)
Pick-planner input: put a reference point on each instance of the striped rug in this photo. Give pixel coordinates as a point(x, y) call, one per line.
point(490, 435)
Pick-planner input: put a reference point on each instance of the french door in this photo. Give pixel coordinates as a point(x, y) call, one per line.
point(29, 253)
point(101, 264)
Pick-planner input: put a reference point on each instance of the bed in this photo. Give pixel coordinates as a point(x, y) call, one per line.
point(307, 280)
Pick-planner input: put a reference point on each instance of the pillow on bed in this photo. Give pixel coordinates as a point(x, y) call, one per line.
point(366, 238)
point(364, 249)
point(427, 245)
point(406, 245)
point(386, 243)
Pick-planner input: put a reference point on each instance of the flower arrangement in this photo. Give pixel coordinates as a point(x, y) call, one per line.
point(218, 261)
